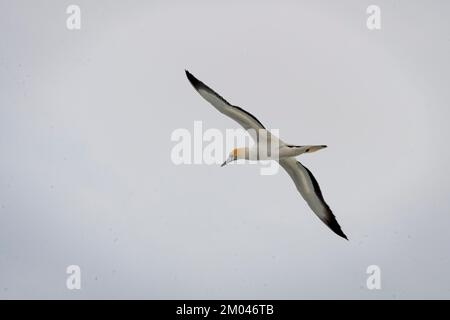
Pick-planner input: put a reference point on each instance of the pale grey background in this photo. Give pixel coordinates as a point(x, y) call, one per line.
point(85, 171)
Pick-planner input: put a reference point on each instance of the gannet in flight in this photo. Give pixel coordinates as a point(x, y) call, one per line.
point(303, 178)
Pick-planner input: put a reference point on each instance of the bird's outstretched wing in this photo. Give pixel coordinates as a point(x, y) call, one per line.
point(309, 189)
point(244, 118)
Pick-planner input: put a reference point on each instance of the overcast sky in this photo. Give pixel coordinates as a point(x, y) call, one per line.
point(86, 176)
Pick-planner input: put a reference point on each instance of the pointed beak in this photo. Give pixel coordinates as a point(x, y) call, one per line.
point(226, 161)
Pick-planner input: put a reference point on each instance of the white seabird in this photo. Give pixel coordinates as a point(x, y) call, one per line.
point(303, 178)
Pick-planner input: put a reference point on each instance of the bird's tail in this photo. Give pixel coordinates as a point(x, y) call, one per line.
point(307, 149)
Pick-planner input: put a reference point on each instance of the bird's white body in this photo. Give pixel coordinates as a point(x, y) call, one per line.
point(264, 150)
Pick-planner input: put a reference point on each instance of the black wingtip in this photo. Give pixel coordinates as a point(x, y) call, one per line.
point(193, 80)
point(340, 233)
point(337, 229)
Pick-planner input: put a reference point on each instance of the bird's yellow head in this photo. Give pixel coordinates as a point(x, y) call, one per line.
point(235, 154)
